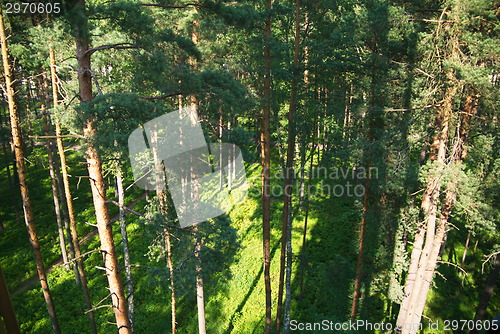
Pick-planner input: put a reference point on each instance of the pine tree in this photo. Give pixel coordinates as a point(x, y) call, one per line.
point(23, 182)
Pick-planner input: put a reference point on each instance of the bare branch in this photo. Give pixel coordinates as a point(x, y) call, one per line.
point(126, 208)
point(97, 307)
point(118, 46)
point(171, 7)
point(84, 254)
point(54, 137)
point(487, 259)
point(95, 80)
point(454, 265)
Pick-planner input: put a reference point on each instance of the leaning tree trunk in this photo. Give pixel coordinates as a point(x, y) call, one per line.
point(426, 231)
point(63, 182)
point(52, 172)
point(80, 273)
point(23, 182)
point(94, 166)
point(457, 156)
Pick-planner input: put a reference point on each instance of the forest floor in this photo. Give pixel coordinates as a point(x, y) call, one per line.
point(29, 283)
point(234, 291)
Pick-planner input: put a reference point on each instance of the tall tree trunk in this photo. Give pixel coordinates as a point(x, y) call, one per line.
point(8, 160)
point(63, 182)
point(97, 185)
point(458, 155)
point(286, 250)
point(23, 183)
point(7, 309)
point(52, 172)
point(304, 262)
point(162, 201)
point(359, 265)
point(126, 252)
point(80, 273)
point(200, 295)
point(11, 182)
point(265, 139)
point(426, 229)
point(170, 266)
point(435, 238)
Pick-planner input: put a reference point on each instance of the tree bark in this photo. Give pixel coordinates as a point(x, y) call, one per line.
point(126, 252)
point(52, 172)
point(63, 182)
point(162, 201)
point(200, 296)
point(9, 160)
point(359, 265)
point(265, 139)
point(97, 185)
point(286, 250)
point(80, 275)
point(7, 309)
point(427, 231)
point(303, 260)
point(23, 182)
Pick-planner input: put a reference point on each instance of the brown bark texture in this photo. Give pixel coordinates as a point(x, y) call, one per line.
point(23, 182)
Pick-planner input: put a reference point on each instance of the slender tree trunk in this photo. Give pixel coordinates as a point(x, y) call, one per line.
point(286, 250)
point(80, 272)
point(288, 281)
point(8, 162)
point(126, 252)
point(467, 241)
point(306, 214)
point(7, 309)
point(23, 183)
point(170, 266)
point(200, 296)
point(68, 202)
point(359, 265)
point(28, 114)
point(52, 172)
point(265, 139)
point(97, 186)
point(162, 199)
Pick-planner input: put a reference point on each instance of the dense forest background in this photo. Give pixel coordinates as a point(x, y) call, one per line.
point(369, 134)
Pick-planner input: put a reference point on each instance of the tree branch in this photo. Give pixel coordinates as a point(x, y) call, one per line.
point(487, 259)
point(119, 46)
point(171, 7)
point(159, 97)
